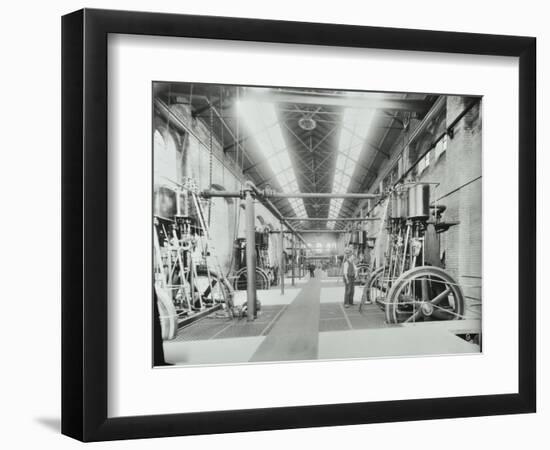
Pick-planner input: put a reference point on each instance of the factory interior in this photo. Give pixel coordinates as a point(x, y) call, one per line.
point(299, 224)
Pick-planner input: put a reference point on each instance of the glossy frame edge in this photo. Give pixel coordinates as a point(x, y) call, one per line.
point(84, 224)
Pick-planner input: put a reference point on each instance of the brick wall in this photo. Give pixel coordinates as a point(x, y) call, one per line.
point(458, 171)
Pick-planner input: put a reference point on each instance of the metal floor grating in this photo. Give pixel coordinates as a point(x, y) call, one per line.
point(336, 318)
point(214, 327)
point(338, 324)
point(332, 317)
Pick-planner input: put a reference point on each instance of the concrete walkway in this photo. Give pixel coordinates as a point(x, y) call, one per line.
point(295, 336)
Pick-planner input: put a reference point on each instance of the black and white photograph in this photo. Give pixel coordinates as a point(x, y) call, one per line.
point(299, 224)
point(275, 225)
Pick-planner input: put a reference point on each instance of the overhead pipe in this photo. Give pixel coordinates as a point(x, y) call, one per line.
point(319, 195)
point(268, 195)
point(264, 198)
point(328, 219)
point(312, 231)
point(224, 194)
point(272, 208)
point(258, 193)
point(312, 98)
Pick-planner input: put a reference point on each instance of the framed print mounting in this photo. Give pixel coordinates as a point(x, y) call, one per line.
point(273, 224)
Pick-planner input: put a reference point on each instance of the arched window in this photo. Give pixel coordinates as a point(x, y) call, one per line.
point(164, 158)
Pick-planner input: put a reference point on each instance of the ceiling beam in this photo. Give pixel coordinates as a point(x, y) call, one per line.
point(313, 231)
point(327, 135)
point(327, 219)
point(291, 131)
point(263, 160)
point(343, 195)
point(359, 100)
point(305, 111)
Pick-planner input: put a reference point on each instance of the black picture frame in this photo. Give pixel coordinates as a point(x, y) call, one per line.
point(84, 224)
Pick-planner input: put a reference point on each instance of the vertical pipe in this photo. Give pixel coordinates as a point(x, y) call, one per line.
point(250, 257)
point(282, 261)
point(293, 260)
point(301, 262)
point(405, 248)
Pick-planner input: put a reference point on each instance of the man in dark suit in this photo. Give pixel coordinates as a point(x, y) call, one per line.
point(350, 274)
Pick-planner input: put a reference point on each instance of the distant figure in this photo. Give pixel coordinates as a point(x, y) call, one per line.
point(312, 270)
point(350, 274)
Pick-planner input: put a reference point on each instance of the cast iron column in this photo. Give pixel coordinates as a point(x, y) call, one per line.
point(282, 261)
point(293, 260)
point(250, 256)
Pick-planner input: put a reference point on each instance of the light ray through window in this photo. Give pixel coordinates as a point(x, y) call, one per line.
point(260, 120)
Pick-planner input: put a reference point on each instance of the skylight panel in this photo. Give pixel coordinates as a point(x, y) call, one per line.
point(345, 178)
point(350, 166)
point(348, 172)
point(355, 151)
point(277, 166)
point(334, 208)
point(355, 127)
point(298, 206)
point(340, 164)
point(284, 177)
point(263, 141)
point(284, 160)
point(292, 186)
point(276, 138)
point(260, 119)
point(345, 139)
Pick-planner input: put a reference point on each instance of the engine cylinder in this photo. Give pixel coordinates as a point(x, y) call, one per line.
point(419, 201)
point(399, 205)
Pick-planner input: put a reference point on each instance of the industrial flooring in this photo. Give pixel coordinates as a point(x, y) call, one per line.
point(310, 322)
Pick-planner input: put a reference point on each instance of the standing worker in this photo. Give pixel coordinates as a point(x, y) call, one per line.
point(350, 274)
point(311, 270)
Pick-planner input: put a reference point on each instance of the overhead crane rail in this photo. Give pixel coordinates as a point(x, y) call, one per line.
point(328, 219)
point(314, 231)
point(271, 194)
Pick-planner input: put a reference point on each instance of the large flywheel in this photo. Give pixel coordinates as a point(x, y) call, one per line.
point(377, 284)
point(211, 287)
point(240, 282)
point(424, 293)
point(208, 287)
